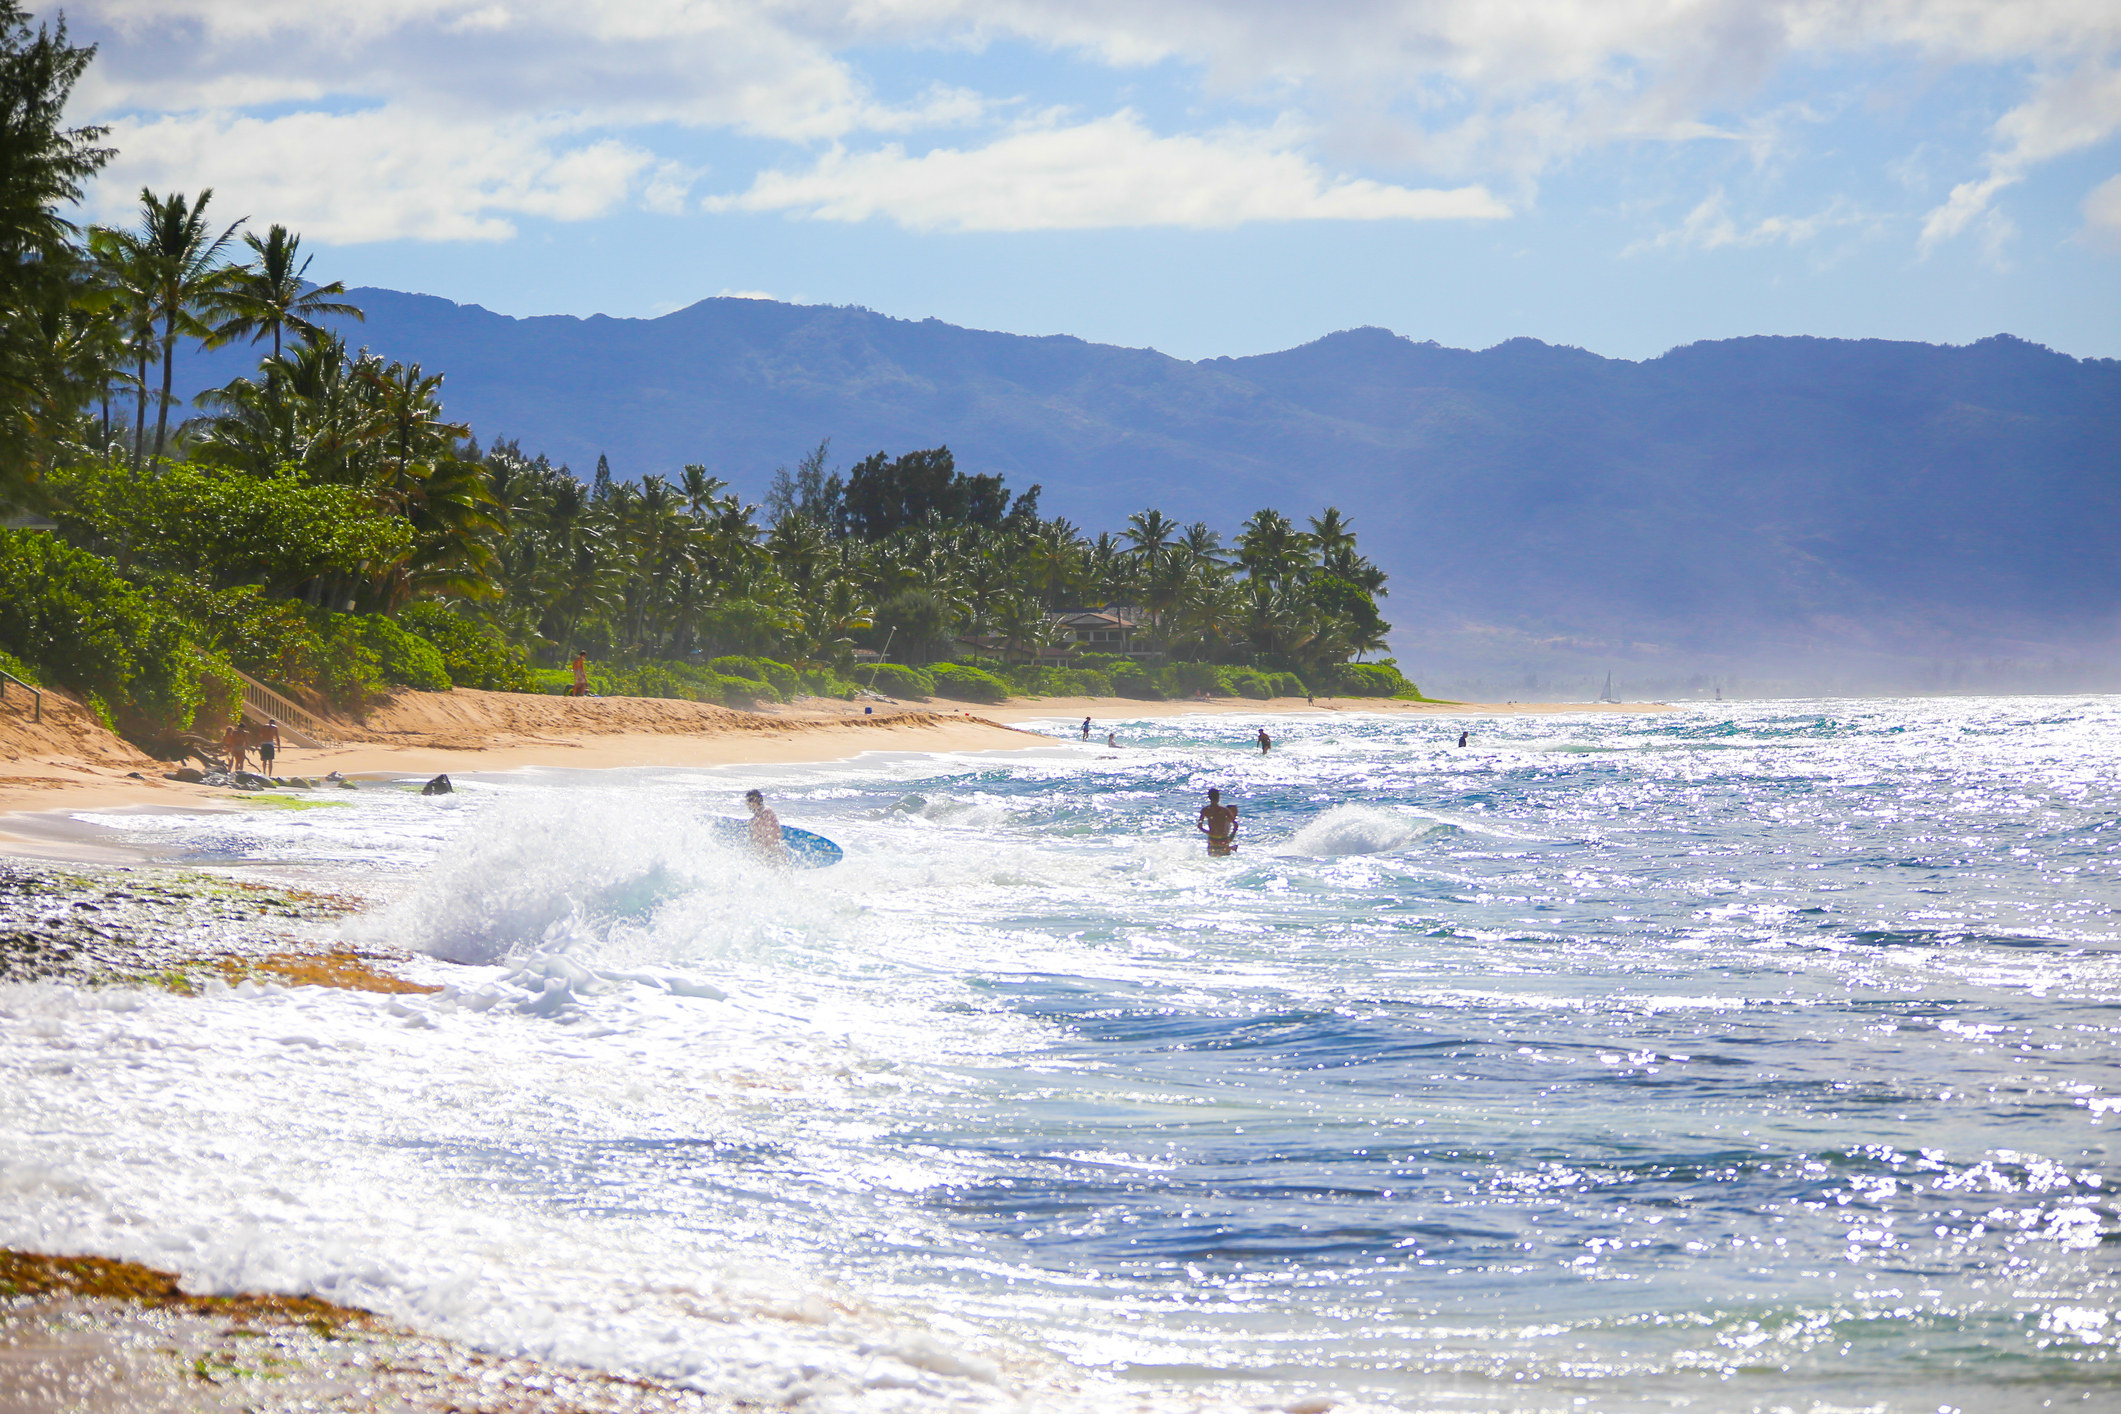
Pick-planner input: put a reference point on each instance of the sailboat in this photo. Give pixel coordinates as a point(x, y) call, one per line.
point(1607, 695)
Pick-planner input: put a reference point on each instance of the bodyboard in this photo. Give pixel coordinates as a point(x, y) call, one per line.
point(805, 850)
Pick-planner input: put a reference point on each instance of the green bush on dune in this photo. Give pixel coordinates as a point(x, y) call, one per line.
point(472, 655)
point(69, 615)
point(967, 684)
point(896, 680)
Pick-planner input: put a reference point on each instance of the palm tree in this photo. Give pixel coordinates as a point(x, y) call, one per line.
point(271, 294)
point(1271, 548)
point(1150, 533)
point(186, 276)
point(1331, 531)
point(43, 170)
point(123, 268)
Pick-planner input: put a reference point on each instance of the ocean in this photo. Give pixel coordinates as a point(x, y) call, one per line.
point(1745, 1057)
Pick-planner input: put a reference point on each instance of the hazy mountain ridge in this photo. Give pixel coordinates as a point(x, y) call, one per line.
point(1738, 504)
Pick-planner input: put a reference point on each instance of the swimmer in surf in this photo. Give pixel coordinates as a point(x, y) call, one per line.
point(1462, 738)
point(1086, 729)
point(765, 829)
point(1219, 823)
point(1266, 743)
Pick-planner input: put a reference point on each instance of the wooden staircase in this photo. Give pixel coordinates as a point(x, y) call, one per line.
point(298, 725)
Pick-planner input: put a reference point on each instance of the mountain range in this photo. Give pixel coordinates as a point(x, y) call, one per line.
point(1799, 513)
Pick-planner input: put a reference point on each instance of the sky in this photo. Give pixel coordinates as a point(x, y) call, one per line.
point(1204, 177)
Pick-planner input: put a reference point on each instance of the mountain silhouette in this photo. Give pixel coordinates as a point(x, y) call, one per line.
point(1802, 510)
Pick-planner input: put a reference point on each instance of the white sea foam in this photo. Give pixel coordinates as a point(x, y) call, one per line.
point(1358, 829)
point(1031, 1079)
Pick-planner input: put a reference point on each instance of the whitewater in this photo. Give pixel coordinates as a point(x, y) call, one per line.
point(1754, 1057)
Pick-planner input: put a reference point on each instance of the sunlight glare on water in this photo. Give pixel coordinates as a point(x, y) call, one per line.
point(1760, 1057)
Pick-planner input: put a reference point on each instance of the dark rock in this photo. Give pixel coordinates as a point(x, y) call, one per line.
point(135, 775)
point(244, 780)
point(190, 775)
point(347, 785)
point(438, 786)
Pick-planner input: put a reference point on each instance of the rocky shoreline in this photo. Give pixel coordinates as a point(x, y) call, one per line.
point(97, 925)
point(84, 1333)
point(81, 1333)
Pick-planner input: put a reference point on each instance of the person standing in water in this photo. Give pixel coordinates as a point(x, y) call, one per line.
point(1219, 823)
point(1462, 738)
point(1112, 740)
point(1086, 729)
point(1266, 743)
point(766, 838)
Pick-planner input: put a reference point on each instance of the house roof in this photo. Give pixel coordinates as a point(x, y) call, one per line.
point(1092, 618)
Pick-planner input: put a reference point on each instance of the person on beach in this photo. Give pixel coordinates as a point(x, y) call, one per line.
point(1086, 729)
point(581, 676)
point(766, 838)
point(1266, 743)
point(235, 744)
point(268, 745)
point(1219, 823)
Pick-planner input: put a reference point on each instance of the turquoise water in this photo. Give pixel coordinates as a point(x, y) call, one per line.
point(1759, 1058)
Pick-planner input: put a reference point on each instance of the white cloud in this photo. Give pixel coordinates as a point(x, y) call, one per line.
point(2102, 215)
point(1108, 172)
point(1473, 95)
point(1710, 226)
point(378, 175)
point(2066, 113)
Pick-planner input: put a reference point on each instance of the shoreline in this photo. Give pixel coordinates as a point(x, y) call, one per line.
point(71, 764)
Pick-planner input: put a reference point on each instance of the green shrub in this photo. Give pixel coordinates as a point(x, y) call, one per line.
point(1187, 679)
point(967, 684)
point(897, 680)
point(1370, 680)
point(1246, 682)
point(824, 682)
point(1287, 685)
point(1130, 679)
point(403, 658)
point(779, 676)
point(71, 616)
point(471, 655)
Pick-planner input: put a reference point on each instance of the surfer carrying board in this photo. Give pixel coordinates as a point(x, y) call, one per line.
point(766, 839)
point(1219, 823)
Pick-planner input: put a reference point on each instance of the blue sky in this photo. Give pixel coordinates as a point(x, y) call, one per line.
point(1201, 176)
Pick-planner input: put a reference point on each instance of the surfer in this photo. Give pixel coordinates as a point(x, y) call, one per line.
point(1266, 743)
point(1219, 823)
point(765, 829)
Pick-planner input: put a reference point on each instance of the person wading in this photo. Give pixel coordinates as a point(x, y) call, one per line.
point(1219, 823)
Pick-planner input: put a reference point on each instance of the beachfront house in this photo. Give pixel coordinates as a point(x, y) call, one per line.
point(1095, 630)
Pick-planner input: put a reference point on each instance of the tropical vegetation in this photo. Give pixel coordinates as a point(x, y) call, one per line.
point(321, 524)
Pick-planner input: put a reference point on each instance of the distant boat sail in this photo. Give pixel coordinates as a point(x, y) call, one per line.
point(1607, 695)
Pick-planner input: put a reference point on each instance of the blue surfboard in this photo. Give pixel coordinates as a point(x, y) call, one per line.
point(805, 850)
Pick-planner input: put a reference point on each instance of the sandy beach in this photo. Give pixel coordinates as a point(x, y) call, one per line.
point(70, 762)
